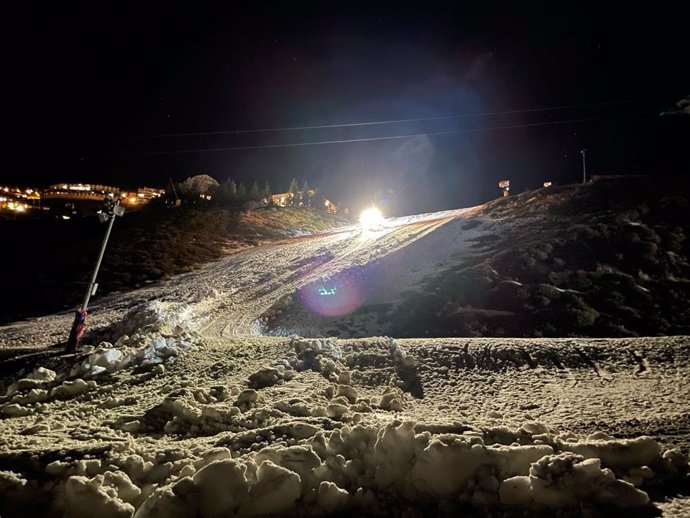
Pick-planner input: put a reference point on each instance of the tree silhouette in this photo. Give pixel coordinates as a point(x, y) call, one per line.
point(254, 192)
point(294, 190)
point(241, 192)
point(266, 192)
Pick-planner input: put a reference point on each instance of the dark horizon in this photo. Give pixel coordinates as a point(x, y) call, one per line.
point(83, 77)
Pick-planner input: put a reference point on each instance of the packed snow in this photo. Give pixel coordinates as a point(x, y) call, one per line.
point(176, 408)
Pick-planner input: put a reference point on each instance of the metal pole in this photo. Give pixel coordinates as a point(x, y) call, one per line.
point(98, 263)
point(584, 166)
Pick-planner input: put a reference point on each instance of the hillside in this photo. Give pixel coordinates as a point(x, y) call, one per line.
point(176, 406)
point(48, 262)
point(606, 259)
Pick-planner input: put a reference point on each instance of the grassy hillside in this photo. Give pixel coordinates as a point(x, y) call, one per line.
point(610, 258)
point(47, 263)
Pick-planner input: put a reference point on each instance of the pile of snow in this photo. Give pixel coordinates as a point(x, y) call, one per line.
point(365, 467)
point(148, 335)
point(33, 381)
point(324, 355)
point(139, 350)
point(153, 316)
point(158, 337)
point(106, 496)
point(324, 462)
point(72, 388)
point(26, 395)
point(25, 402)
point(320, 355)
point(567, 479)
point(192, 412)
point(327, 358)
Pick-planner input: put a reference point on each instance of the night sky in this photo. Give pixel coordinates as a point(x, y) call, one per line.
point(88, 81)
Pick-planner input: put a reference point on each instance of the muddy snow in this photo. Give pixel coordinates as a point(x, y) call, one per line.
point(176, 406)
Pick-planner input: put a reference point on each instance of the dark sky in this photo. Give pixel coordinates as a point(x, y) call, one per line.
point(82, 76)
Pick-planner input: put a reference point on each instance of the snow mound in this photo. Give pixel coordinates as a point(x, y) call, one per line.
point(154, 316)
point(140, 350)
point(33, 381)
point(148, 335)
point(320, 355)
point(355, 467)
point(566, 480)
point(104, 496)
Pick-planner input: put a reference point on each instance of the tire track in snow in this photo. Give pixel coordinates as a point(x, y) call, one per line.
point(356, 252)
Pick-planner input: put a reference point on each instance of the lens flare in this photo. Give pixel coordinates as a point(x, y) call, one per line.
point(338, 295)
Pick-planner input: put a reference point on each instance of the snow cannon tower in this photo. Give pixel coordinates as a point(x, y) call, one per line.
point(505, 187)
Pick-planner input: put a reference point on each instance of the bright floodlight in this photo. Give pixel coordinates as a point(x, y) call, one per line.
point(371, 218)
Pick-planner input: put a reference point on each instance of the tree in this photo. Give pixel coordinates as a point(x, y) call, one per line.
point(232, 188)
point(254, 192)
point(307, 193)
point(266, 192)
point(294, 190)
point(241, 192)
point(227, 192)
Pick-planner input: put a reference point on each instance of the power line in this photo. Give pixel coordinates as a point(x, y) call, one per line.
point(367, 139)
point(384, 122)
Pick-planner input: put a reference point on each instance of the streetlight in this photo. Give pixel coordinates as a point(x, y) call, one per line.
point(112, 210)
point(584, 166)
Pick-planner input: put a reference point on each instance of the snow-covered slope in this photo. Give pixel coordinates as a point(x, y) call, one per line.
point(178, 407)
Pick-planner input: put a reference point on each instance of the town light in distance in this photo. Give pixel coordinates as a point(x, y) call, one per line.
point(371, 218)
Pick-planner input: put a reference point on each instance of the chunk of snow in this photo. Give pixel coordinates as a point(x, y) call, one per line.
point(72, 388)
point(275, 491)
point(86, 498)
point(43, 375)
point(330, 497)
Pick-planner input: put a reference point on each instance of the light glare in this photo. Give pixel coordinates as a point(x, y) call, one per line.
point(371, 218)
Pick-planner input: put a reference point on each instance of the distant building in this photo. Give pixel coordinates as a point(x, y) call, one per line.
point(141, 196)
point(78, 191)
point(331, 207)
point(286, 199)
point(19, 200)
point(149, 193)
point(505, 187)
point(87, 198)
point(76, 198)
point(282, 200)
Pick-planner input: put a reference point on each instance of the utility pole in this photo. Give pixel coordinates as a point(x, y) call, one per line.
point(584, 165)
point(112, 210)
